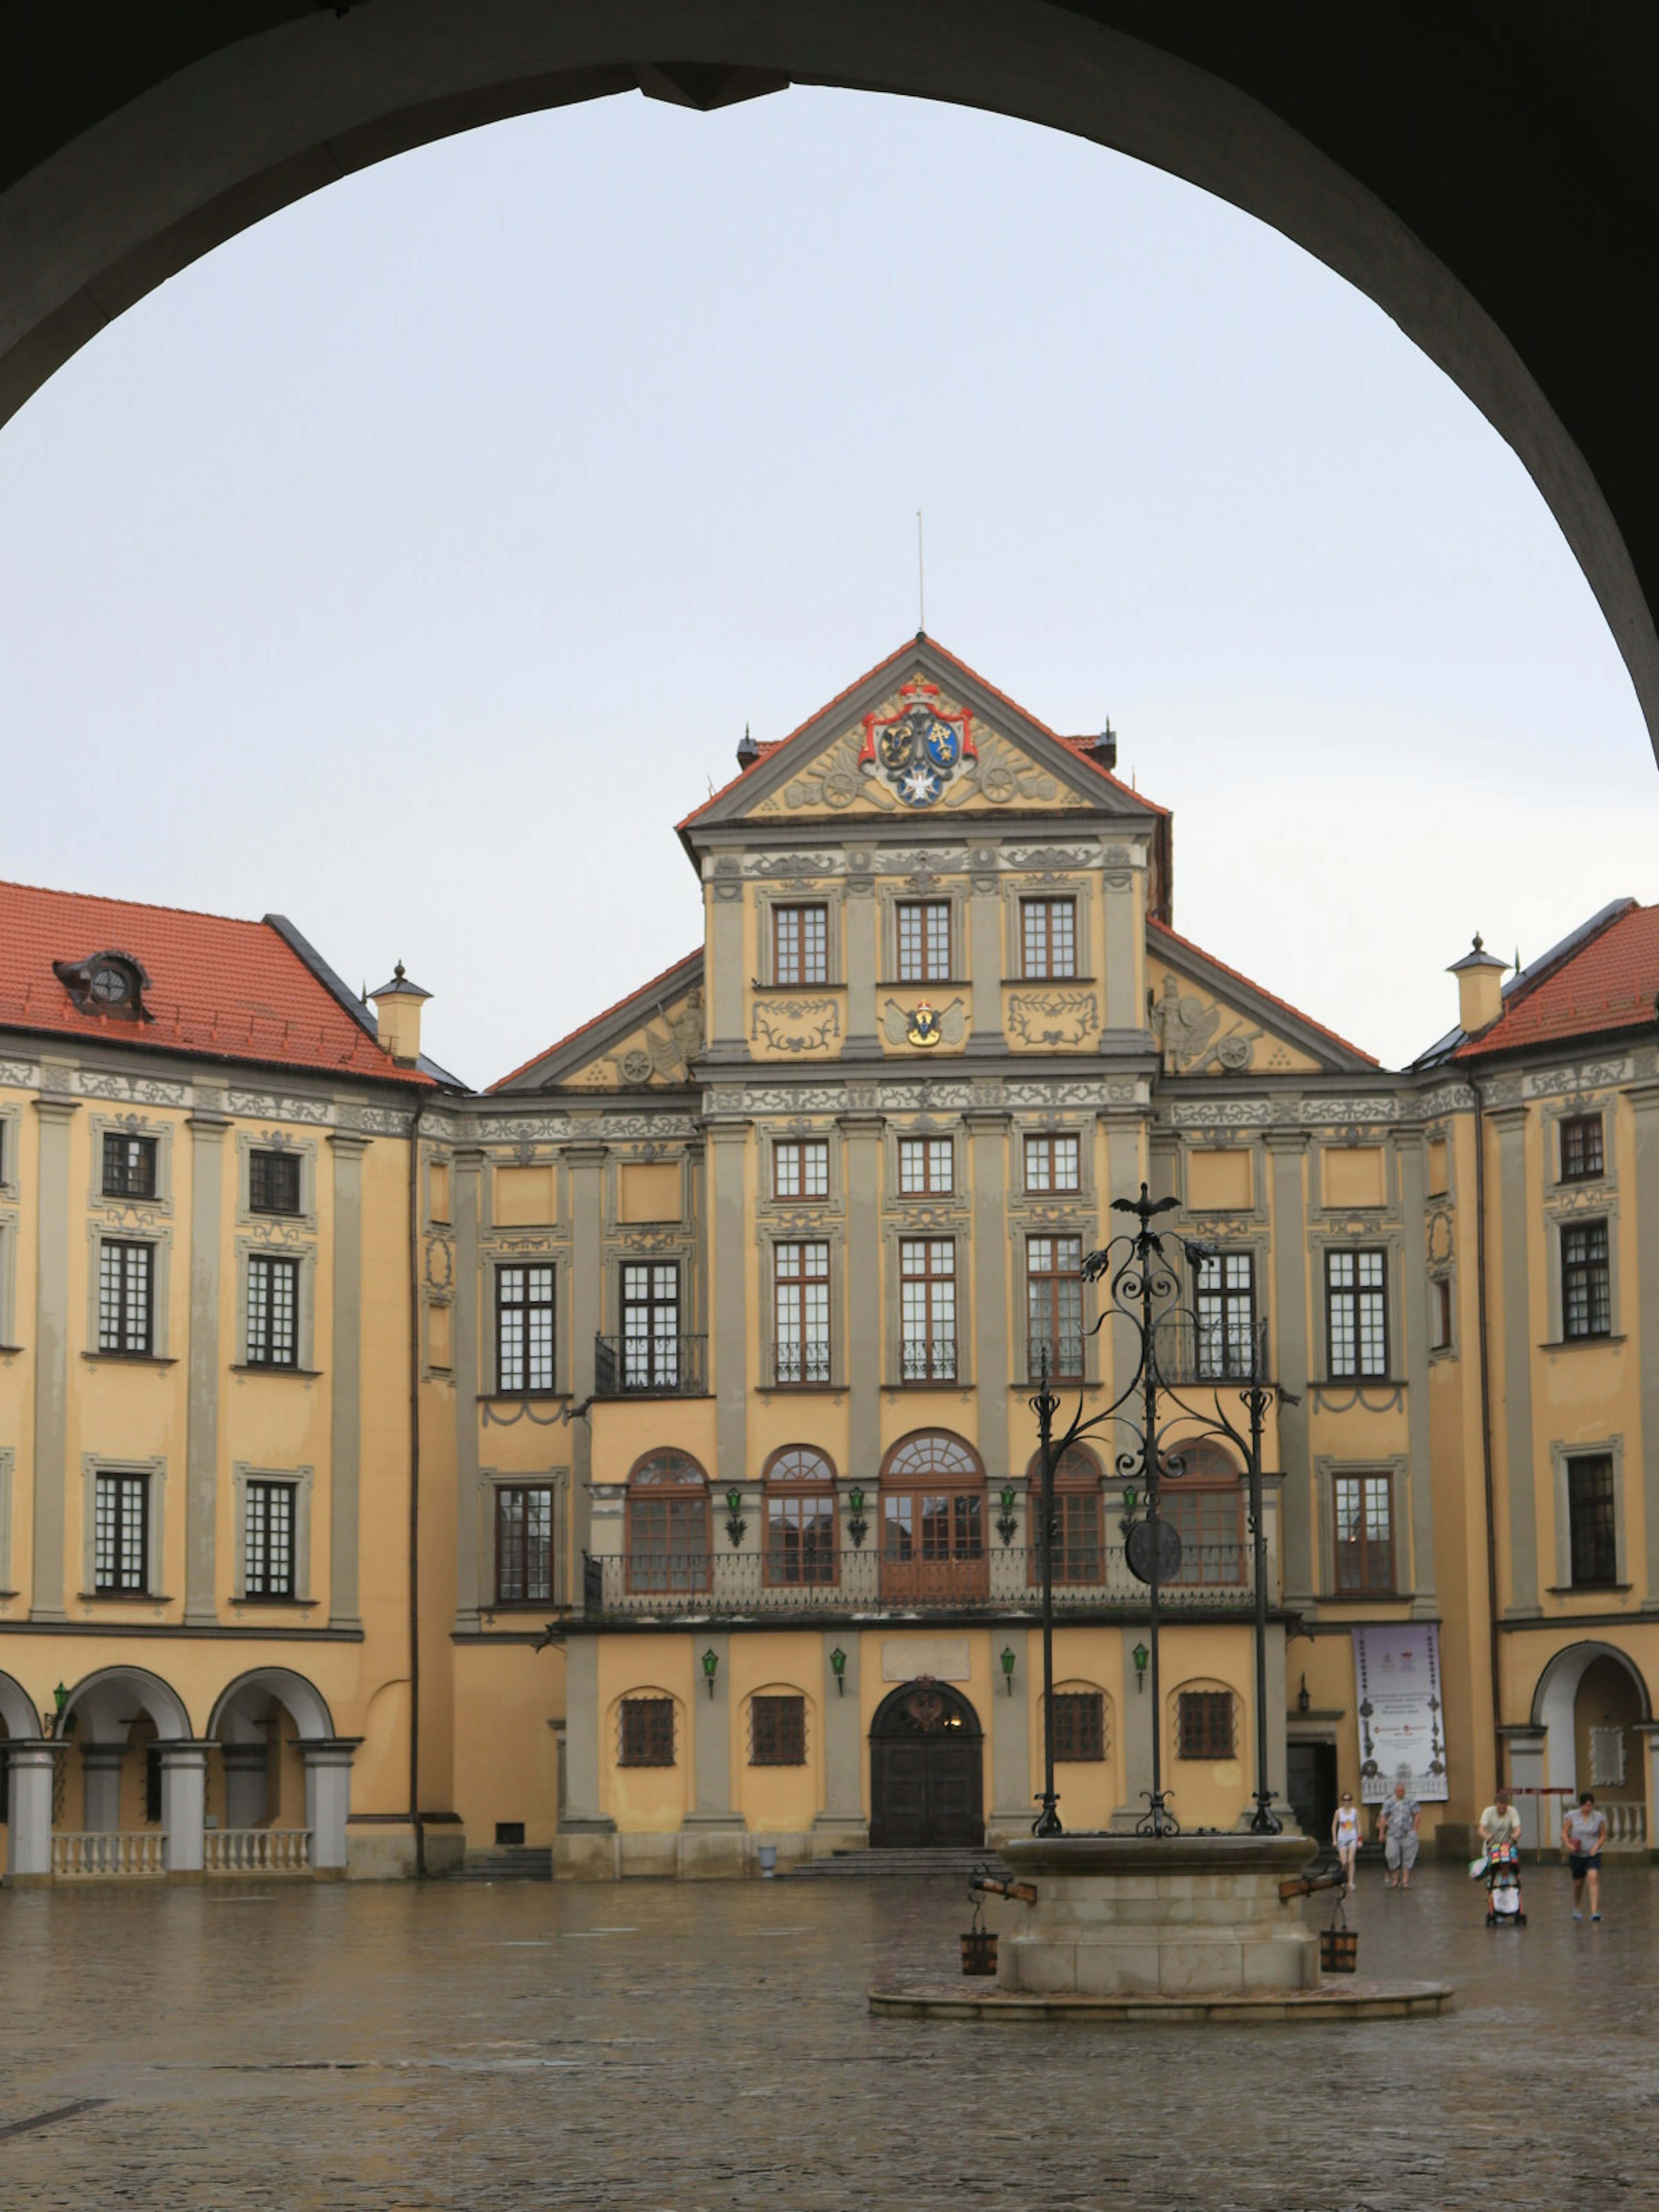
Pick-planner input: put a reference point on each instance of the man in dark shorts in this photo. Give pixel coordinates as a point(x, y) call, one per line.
point(1582, 1834)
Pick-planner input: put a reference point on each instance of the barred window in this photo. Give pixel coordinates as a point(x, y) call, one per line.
point(1364, 1535)
point(128, 1165)
point(777, 1731)
point(1054, 1303)
point(800, 1167)
point(648, 1732)
point(800, 945)
point(927, 1309)
point(125, 1281)
point(924, 941)
point(1592, 1522)
point(926, 1164)
point(121, 1535)
point(1205, 1724)
point(1356, 1312)
point(1586, 1281)
point(273, 1182)
point(523, 1330)
point(1052, 1162)
point(273, 1311)
point(800, 1294)
point(1079, 1725)
point(1582, 1156)
point(1225, 1300)
point(523, 1543)
point(268, 1540)
point(1049, 933)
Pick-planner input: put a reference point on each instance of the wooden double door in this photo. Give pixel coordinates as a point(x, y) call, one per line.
point(926, 1771)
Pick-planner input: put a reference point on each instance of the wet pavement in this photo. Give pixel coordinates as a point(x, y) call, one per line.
point(668, 2048)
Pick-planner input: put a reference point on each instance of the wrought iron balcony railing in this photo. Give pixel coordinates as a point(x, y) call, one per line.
point(650, 1366)
point(1064, 1353)
point(801, 1364)
point(720, 1583)
point(928, 1359)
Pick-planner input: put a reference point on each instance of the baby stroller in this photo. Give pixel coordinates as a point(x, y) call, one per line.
point(1504, 1907)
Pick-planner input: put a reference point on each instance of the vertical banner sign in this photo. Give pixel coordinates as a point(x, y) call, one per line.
point(1402, 1735)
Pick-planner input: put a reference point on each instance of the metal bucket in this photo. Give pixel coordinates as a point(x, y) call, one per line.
point(979, 1951)
point(1339, 1950)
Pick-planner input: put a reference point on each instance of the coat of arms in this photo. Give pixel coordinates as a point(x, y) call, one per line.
point(925, 1025)
point(920, 749)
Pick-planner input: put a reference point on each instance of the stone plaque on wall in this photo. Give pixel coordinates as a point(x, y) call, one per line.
point(944, 1657)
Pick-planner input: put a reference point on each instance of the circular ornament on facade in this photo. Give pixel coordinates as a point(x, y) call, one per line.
point(840, 789)
point(636, 1067)
point(1150, 1541)
point(998, 785)
point(1234, 1053)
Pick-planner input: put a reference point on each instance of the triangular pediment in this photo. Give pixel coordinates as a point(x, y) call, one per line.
point(1210, 1021)
point(921, 737)
point(646, 1041)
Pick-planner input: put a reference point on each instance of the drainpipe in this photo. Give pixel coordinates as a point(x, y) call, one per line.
point(1486, 1428)
point(414, 1490)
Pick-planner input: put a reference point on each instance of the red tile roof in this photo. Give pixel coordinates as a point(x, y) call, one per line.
point(1078, 746)
point(1156, 929)
point(1611, 983)
point(218, 988)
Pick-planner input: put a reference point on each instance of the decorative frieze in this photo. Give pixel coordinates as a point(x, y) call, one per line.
point(1586, 1075)
point(128, 1089)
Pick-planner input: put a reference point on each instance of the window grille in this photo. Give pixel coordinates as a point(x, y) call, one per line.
point(268, 1552)
point(1079, 1725)
point(126, 1273)
point(648, 1732)
point(273, 1311)
point(523, 1330)
point(1205, 1724)
point(777, 1731)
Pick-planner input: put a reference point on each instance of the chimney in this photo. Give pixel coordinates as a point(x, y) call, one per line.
point(398, 1017)
point(1103, 751)
point(748, 751)
point(1479, 988)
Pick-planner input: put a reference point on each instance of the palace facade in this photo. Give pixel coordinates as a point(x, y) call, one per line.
point(635, 1461)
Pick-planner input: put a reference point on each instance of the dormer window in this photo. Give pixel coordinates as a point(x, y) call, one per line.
point(111, 983)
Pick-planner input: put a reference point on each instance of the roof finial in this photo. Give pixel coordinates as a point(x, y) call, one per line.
point(748, 751)
point(1517, 959)
point(397, 973)
point(1478, 945)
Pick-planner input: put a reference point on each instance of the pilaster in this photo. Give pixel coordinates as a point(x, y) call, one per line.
point(207, 1165)
point(985, 957)
point(1289, 1355)
point(1426, 1605)
point(466, 1175)
point(1011, 1738)
point(32, 1770)
point(345, 1403)
point(862, 1134)
point(183, 1793)
point(712, 1838)
point(1645, 1107)
point(728, 1142)
point(1513, 1282)
point(587, 1166)
point(988, 1137)
point(841, 1822)
point(863, 964)
point(55, 1109)
point(328, 1797)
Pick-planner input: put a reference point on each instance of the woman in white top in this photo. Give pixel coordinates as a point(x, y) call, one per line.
point(1345, 1834)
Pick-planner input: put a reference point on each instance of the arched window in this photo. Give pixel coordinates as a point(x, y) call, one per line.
point(933, 1510)
point(1078, 1557)
point(667, 1523)
point(800, 1517)
point(1206, 1502)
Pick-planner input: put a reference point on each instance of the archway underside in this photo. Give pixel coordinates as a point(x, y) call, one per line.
point(1493, 192)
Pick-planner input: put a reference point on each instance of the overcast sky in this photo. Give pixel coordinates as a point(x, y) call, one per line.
point(411, 564)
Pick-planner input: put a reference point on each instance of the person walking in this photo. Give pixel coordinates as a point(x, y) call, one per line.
point(1397, 1818)
point(1582, 1834)
point(1345, 1834)
point(1500, 1823)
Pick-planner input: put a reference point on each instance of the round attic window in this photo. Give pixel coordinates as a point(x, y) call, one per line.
point(109, 984)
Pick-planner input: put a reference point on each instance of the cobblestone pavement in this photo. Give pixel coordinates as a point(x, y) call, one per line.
point(651, 2046)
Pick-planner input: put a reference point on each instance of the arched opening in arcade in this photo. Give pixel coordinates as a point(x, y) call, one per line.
point(128, 1788)
point(279, 1780)
point(1593, 1708)
point(926, 1769)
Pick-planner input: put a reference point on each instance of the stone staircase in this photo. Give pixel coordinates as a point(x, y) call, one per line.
point(510, 1862)
point(867, 1866)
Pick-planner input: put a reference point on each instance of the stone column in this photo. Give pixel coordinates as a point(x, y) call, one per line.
point(1528, 1755)
point(985, 953)
point(1649, 1731)
point(723, 978)
point(841, 1822)
point(587, 1166)
point(51, 1335)
point(1414, 1304)
point(864, 1348)
point(1513, 1273)
point(33, 1764)
point(1290, 1357)
point(247, 1766)
point(184, 1792)
point(466, 1177)
point(1134, 1705)
point(585, 1846)
point(345, 1384)
point(328, 1797)
point(712, 1840)
point(100, 1782)
point(988, 1138)
point(207, 1162)
point(1011, 1813)
point(1644, 1107)
point(728, 1142)
point(863, 956)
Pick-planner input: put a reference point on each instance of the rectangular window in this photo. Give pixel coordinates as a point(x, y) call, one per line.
point(800, 1539)
point(128, 1165)
point(927, 1309)
point(1224, 1303)
point(1586, 1283)
point(273, 1311)
point(273, 1182)
point(1364, 1535)
point(777, 1731)
point(1205, 1724)
point(523, 1330)
point(926, 1164)
point(524, 1545)
point(125, 1281)
point(648, 1732)
point(1053, 1164)
point(1048, 935)
point(1355, 1313)
point(1054, 1305)
point(268, 1540)
point(1079, 1725)
point(1441, 1289)
point(651, 1324)
point(800, 1167)
point(800, 945)
point(1581, 1148)
point(1592, 1522)
point(924, 941)
point(121, 1536)
point(800, 1295)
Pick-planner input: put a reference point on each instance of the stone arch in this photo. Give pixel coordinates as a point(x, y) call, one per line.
point(95, 1700)
point(894, 1715)
point(930, 1454)
point(16, 1711)
point(303, 1699)
point(1554, 1705)
point(927, 1769)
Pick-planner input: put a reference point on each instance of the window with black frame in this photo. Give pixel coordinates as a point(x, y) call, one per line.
point(268, 1539)
point(1357, 1313)
point(1224, 1300)
point(273, 1310)
point(523, 1543)
point(1079, 1726)
point(651, 1324)
point(524, 1301)
point(1592, 1522)
point(128, 1165)
point(777, 1731)
point(800, 1312)
point(120, 1550)
point(1586, 1280)
point(126, 1275)
point(273, 1182)
point(1582, 1156)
